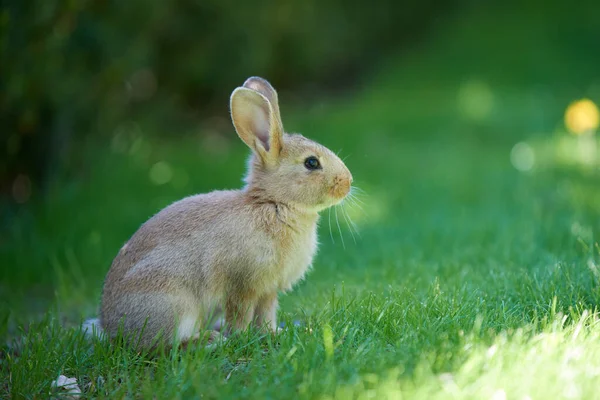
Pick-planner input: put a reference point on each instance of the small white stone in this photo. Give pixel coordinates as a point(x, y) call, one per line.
point(68, 384)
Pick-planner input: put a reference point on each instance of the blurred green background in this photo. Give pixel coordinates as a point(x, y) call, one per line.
point(449, 114)
point(469, 126)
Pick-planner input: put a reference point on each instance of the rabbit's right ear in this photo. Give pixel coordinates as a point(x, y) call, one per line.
point(256, 124)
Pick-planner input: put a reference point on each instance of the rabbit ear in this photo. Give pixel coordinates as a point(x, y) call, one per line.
point(264, 87)
point(254, 120)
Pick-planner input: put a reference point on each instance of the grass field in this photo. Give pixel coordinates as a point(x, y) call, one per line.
point(475, 273)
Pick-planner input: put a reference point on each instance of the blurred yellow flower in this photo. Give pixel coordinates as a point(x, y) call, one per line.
point(582, 116)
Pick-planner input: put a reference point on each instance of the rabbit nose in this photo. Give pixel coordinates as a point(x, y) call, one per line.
point(341, 186)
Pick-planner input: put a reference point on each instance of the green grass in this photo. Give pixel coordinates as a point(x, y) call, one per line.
point(470, 279)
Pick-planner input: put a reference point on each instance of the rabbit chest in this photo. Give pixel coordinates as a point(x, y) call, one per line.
point(296, 252)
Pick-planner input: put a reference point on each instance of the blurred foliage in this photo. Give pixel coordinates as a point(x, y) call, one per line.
point(73, 69)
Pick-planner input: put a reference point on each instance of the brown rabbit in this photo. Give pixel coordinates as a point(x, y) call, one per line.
point(228, 250)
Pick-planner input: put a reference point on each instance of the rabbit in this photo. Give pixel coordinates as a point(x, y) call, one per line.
point(229, 251)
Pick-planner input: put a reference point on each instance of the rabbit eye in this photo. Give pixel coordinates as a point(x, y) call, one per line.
point(312, 163)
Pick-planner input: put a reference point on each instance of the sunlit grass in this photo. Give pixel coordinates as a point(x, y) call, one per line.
point(548, 359)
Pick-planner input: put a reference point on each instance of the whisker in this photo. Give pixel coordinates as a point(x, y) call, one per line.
point(354, 187)
point(357, 193)
point(350, 228)
point(354, 202)
point(353, 224)
point(337, 220)
point(355, 198)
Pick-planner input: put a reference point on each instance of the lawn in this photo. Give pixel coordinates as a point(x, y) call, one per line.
point(474, 271)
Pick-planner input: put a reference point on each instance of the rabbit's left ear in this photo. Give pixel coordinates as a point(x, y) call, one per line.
point(256, 124)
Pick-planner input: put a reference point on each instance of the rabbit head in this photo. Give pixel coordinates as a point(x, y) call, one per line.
point(284, 168)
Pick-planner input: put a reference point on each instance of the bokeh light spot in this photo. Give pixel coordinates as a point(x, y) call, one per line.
point(475, 100)
point(119, 142)
point(522, 157)
point(124, 136)
point(579, 151)
point(582, 117)
point(161, 173)
point(95, 238)
point(582, 231)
